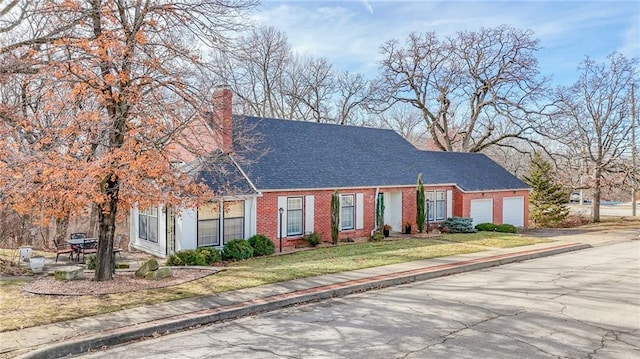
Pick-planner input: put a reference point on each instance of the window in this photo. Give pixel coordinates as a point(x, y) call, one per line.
point(436, 205)
point(148, 224)
point(294, 216)
point(233, 220)
point(209, 224)
point(347, 212)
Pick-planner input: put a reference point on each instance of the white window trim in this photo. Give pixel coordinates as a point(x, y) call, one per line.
point(353, 205)
point(432, 217)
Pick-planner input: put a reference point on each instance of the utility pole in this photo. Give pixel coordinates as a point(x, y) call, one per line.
point(634, 155)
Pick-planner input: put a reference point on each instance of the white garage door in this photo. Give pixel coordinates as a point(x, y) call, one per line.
point(482, 211)
point(513, 211)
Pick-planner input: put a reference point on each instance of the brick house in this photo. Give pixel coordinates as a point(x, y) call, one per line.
point(285, 188)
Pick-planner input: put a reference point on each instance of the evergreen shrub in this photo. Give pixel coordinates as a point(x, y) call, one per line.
point(262, 245)
point(487, 227)
point(377, 236)
point(490, 227)
point(237, 249)
point(459, 225)
point(312, 238)
point(506, 228)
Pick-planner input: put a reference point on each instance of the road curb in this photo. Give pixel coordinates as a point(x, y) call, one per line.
point(86, 343)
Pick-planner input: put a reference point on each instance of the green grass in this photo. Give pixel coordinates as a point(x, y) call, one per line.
point(493, 239)
point(26, 310)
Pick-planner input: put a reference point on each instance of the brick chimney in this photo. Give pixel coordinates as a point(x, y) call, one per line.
point(222, 117)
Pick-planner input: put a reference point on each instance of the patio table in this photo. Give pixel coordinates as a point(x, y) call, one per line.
point(80, 244)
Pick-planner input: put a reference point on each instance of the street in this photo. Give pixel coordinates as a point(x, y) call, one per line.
point(583, 304)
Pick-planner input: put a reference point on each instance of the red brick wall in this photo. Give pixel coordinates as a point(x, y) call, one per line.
point(268, 216)
point(463, 207)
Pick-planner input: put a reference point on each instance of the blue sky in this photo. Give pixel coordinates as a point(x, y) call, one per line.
point(349, 33)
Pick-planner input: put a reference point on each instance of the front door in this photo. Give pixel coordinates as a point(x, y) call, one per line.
point(393, 210)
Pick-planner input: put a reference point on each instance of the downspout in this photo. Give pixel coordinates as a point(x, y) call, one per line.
point(376, 210)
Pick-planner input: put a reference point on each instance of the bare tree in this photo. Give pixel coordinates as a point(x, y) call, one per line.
point(270, 80)
point(593, 118)
point(317, 84)
point(354, 93)
point(106, 88)
point(255, 69)
point(474, 89)
point(407, 122)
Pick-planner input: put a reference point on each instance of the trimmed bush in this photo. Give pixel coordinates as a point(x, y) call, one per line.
point(377, 236)
point(312, 238)
point(174, 260)
point(487, 227)
point(503, 228)
point(200, 256)
point(506, 228)
point(262, 246)
point(459, 225)
point(211, 255)
point(237, 249)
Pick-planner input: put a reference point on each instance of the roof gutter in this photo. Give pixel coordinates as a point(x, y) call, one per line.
point(245, 175)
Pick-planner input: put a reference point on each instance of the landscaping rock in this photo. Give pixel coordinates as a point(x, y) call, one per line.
point(69, 273)
point(160, 273)
point(150, 265)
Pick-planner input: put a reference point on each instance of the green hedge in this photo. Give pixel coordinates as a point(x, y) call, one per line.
point(487, 227)
point(262, 245)
point(200, 256)
point(507, 228)
point(237, 249)
point(490, 227)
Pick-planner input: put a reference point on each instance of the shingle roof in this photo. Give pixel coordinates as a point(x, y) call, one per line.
point(223, 177)
point(299, 155)
point(469, 171)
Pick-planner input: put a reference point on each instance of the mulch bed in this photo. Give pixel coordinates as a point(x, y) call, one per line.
point(122, 282)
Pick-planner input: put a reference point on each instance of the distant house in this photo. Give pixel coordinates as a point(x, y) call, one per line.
point(286, 189)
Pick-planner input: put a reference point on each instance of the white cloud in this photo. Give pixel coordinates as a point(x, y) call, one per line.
point(349, 33)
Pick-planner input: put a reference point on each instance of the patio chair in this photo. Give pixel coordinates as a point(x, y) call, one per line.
point(88, 247)
point(116, 246)
point(63, 248)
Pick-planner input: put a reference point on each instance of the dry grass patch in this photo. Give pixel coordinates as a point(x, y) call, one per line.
point(611, 222)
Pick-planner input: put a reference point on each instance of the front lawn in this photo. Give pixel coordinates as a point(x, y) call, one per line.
point(493, 239)
point(19, 309)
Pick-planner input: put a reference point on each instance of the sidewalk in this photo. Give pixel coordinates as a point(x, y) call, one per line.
point(80, 335)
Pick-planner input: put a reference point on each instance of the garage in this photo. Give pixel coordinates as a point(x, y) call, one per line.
point(513, 211)
point(482, 211)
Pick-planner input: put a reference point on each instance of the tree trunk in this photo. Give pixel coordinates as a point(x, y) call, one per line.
point(106, 232)
point(597, 191)
point(62, 225)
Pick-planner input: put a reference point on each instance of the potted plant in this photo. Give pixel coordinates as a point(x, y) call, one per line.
point(386, 229)
point(407, 227)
